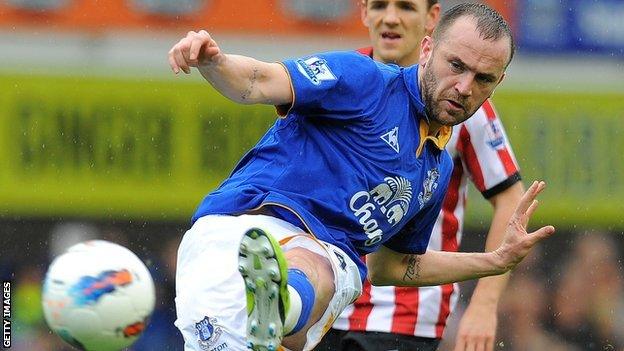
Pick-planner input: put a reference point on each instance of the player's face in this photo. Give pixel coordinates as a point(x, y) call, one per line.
point(460, 72)
point(396, 28)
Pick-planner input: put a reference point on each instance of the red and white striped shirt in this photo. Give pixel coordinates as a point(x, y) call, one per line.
point(481, 152)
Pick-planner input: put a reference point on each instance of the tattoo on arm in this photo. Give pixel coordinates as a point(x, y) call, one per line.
point(252, 82)
point(412, 271)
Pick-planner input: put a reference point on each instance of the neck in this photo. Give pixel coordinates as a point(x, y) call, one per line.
point(434, 128)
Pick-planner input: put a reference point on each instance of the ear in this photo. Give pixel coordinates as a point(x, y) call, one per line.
point(426, 48)
point(501, 78)
point(497, 84)
point(433, 17)
point(364, 13)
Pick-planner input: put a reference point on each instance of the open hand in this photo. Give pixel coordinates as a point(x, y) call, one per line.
point(194, 50)
point(517, 242)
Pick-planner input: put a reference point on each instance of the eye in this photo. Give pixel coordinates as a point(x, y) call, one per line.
point(407, 6)
point(483, 79)
point(377, 5)
point(456, 66)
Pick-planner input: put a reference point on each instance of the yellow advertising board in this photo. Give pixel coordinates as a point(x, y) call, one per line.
point(140, 149)
point(117, 149)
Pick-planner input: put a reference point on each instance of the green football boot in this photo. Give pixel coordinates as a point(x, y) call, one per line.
point(262, 264)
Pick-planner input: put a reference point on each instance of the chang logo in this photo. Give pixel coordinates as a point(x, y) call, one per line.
point(429, 186)
point(392, 198)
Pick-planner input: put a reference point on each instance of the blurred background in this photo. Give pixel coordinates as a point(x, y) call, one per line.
point(98, 139)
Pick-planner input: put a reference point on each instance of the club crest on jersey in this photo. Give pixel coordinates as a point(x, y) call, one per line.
point(315, 69)
point(391, 198)
point(430, 184)
point(392, 138)
point(496, 138)
point(208, 332)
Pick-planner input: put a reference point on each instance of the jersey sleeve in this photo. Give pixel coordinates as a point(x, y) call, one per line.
point(486, 152)
point(339, 85)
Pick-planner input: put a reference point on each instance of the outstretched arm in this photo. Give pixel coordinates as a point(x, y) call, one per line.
point(477, 328)
point(239, 78)
point(387, 267)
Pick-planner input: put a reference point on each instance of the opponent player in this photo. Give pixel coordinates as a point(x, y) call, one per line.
point(355, 167)
point(415, 318)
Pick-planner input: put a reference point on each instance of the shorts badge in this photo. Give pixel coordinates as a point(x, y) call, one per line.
point(208, 332)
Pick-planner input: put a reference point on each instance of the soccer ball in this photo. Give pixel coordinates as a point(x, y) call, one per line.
point(97, 296)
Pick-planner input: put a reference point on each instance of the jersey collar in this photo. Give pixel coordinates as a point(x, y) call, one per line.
point(439, 140)
point(443, 136)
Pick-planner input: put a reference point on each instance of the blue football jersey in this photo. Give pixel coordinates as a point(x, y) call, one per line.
point(349, 161)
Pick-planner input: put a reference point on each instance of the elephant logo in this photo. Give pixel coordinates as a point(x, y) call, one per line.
point(392, 198)
point(381, 193)
point(399, 203)
point(395, 214)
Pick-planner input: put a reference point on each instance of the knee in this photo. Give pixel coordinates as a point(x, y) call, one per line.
point(317, 268)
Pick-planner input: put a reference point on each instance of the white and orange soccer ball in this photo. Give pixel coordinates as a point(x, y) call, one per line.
point(98, 296)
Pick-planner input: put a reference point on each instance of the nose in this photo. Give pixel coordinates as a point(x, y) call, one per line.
point(464, 85)
point(391, 16)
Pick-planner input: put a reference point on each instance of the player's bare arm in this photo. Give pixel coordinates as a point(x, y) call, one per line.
point(477, 327)
point(388, 267)
point(242, 79)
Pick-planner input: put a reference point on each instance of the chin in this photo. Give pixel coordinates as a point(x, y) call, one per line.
point(389, 55)
point(447, 119)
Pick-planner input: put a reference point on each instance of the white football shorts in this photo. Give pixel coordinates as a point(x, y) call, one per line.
point(210, 292)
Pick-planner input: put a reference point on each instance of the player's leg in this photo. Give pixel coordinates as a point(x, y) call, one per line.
point(318, 270)
point(210, 292)
point(264, 269)
point(286, 292)
point(322, 280)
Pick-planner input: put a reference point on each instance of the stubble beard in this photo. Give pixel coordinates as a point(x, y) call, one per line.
point(429, 86)
point(432, 107)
